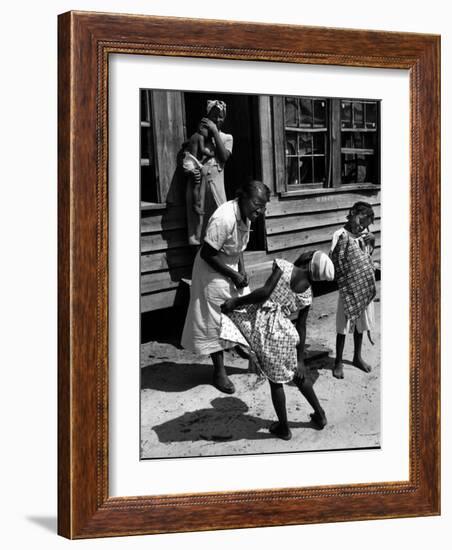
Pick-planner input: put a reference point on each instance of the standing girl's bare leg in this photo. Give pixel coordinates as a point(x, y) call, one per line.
point(358, 361)
point(338, 370)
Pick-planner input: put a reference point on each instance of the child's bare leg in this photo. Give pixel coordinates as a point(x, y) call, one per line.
point(307, 390)
point(280, 428)
point(220, 378)
point(338, 370)
point(358, 361)
point(196, 182)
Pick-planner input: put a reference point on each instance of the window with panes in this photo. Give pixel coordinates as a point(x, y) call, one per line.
point(326, 142)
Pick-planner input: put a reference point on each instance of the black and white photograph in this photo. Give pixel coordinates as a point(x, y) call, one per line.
point(260, 273)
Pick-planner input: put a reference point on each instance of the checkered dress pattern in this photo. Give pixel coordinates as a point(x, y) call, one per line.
point(355, 276)
point(268, 329)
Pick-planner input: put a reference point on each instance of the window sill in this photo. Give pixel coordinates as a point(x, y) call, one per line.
point(152, 206)
point(343, 188)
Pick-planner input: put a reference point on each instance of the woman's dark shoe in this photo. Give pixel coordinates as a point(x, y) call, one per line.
point(225, 386)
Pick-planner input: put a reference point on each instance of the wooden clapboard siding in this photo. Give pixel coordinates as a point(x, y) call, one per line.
point(161, 300)
point(167, 109)
point(311, 236)
point(164, 280)
point(279, 145)
point(266, 142)
point(291, 254)
point(167, 260)
point(170, 218)
point(328, 201)
point(164, 240)
point(303, 221)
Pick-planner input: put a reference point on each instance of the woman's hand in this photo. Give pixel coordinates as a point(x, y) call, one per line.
point(240, 280)
point(244, 274)
point(209, 124)
point(228, 306)
point(197, 209)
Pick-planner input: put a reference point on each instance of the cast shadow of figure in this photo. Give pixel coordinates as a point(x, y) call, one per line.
point(225, 421)
point(178, 377)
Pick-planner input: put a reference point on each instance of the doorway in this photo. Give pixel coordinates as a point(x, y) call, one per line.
point(243, 123)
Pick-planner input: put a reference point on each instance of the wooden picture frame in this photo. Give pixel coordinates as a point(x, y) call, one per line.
point(85, 508)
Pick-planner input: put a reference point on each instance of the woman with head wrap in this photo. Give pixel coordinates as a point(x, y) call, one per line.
point(261, 321)
point(219, 273)
point(212, 191)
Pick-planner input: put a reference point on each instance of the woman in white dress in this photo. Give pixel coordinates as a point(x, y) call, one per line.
point(212, 191)
point(219, 274)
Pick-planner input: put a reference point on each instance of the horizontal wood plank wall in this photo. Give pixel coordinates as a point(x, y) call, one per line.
point(166, 257)
point(293, 225)
point(298, 224)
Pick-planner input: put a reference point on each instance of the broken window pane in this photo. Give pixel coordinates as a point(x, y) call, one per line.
point(319, 170)
point(306, 113)
point(305, 144)
point(346, 114)
point(306, 170)
point(292, 171)
point(291, 108)
point(319, 143)
point(358, 115)
point(291, 143)
point(319, 113)
point(371, 115)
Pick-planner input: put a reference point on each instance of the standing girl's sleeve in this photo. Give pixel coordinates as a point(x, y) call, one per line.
point(336, 236)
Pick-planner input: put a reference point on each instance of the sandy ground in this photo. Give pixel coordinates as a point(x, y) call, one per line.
point(182, 414)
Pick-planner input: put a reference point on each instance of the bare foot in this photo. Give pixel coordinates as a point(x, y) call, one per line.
point(338, 370)
point(277, 430)
point(223, 384)
point(362, 365)
point(319, 419)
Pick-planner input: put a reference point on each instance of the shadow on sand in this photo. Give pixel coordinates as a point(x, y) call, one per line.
point(178, 377)
point(226, 420)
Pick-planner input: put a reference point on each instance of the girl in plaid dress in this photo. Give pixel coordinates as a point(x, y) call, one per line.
point(351, 248)
point(261, 321)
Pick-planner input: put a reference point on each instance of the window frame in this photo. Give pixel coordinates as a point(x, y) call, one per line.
point(333, 151)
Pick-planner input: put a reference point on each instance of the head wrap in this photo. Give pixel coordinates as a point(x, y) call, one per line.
point(321, 267)
point(220, 105)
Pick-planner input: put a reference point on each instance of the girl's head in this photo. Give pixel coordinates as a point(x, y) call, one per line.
point(216, 111)
point(360, 216)
point(253, 197)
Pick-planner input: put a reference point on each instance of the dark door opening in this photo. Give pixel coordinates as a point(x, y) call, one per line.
point(242, 122)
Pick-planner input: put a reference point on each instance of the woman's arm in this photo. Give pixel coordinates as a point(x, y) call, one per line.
point(258, 296)
point(211, 256)
point(221, 152)
point(304, 258)
point(242, 265)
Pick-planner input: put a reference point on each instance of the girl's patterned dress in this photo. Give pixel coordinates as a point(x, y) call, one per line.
point(267, 328)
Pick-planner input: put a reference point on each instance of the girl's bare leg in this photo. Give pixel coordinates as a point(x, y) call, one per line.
point(338, 370)
point(280, 428)
point(358, 361)
point(307, 391)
